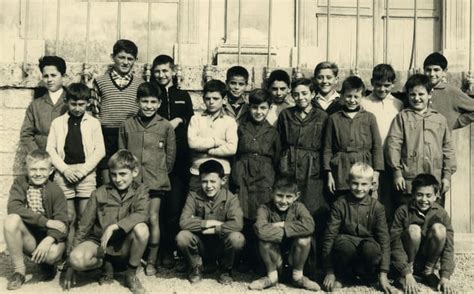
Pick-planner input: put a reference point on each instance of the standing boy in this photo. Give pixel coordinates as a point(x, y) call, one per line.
point(151, 139)
point(421, 234)
point(279, 86)
point(37, 220)
point(456, 106)
point(419, 141)
point(114, 225)
point(352, 135)
point(176, 106)
point(356, 242)
point(284, 229)
point(236, 102)
point(43, 110)
point(114, 98)
point(211, 223)
point(76, 146)
point(211, 134)
point(326, 78)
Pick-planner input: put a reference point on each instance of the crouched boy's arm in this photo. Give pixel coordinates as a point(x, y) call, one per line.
point(398, 254)
point(87, 221)
point(140, 210)
point(264, 229)
point(447, 256)
point(332, 230)
point(234, 221)
point(188, 220)
point(59, 213)
point(382, 236)
point(303, 226)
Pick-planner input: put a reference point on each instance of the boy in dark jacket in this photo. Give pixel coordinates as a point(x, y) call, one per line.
point(211, 223)
point(113, 225)
point(37, 219)
point(420, 235)
point(356, 240)
point(151, 139)
point(325, 79)
point(284, 227)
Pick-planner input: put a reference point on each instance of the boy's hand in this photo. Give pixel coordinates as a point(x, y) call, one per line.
point(328, 282)
point(70, 175)
point(411, 286)
point(445, 286)
point(41, 252)
point(79, 174)
point(175, 122)
point(213, 223)
point(331, 183)
point(384, 284)
point(69, 278)
point(210, 231)
point(375, 182)
point(400, 184)
point(107, 234)
point(445, 186)
point(279, 224)
point(56, 225)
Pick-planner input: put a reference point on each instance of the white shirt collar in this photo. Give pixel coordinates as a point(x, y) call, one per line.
point(55, 95)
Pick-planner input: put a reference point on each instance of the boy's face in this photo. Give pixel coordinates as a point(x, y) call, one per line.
point(259, 112)
point(39, 171)
point(418, 97)
point(122, 178)
point(302, 95)
point(164, 74)
point(211, 184)
point(360, 186)
point(236, 86)
point(382, 88)
point(283, 199)
point(123, 62)
point(148, 105)
point(213, 101)
point(326, 81)
point(352, 98)
point(279, 91)
point(52, 78)
point(424, 197)
point(435, 73)
point(76, 107)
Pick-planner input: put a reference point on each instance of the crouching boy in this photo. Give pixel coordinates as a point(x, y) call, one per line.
point(284, 226)
point(113, 225)
point(37, 219)
point(211, 222)
point(356, 244)
point(421, 234)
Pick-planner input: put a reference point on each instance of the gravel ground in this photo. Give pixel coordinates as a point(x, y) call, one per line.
point(169, 282)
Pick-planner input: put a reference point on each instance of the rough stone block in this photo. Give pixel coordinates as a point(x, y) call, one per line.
point(10, 140)
point(16, 98)
point(11, 119)
point(12, 163)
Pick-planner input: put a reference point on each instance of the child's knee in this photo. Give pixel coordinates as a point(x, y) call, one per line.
point(141, 232)
point(55, 253)
point(154, 218)
point(71, 214)
point(12, 222)
point(370, 251)
point(303, 242)
point(438, 231)
point(236, 240)
point(78, 259)
point(414, 232)
point(184, 238)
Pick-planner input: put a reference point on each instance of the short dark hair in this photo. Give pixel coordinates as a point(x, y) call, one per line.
point(78, 91)
point(125, 45)
point(278, 75)
point(352, 83)
point(56, 61)
point(162, 59)
point(418, 80)
point(326, 65)
point(424, 180)
point(286, 182)
point(215, 86)
point(211, 166)
point(123, 159)
point(383, 72)
point(259, 96)
point(436, 58)
point(237, 71)
point(303, 81)
point(148, 89)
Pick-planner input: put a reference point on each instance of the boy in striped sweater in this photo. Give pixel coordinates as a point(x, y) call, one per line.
point(114, 98)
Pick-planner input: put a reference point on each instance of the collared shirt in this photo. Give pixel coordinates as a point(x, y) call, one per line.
point(55, 95)
point(34, 199)
point(238, 109)
point(212, 138)
point(325, 102)
point(277, 108)
point(120, 80)
point(384, 110)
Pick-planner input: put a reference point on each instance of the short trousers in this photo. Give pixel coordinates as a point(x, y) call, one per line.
point(118, 245)
point(38, 233)
point(156, 194)
point(81, 189)
point(111, 145)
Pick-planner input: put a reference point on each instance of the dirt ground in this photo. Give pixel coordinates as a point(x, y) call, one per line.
point(170, 282)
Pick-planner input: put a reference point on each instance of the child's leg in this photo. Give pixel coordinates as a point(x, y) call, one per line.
point(370, 254)
point(343, 253)
point(71, 213)
point(233, 243)
point(84, 256)
point(411, 240)
point(139, 235)
point(154, 240)
point(19, 239)
point(271, 256)
point(298, 256)
point(55, 253)
point(434, 245)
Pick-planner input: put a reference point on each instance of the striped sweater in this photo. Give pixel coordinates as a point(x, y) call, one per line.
point(117, 104)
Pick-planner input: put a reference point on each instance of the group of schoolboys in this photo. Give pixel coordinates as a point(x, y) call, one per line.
point(256, 174)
